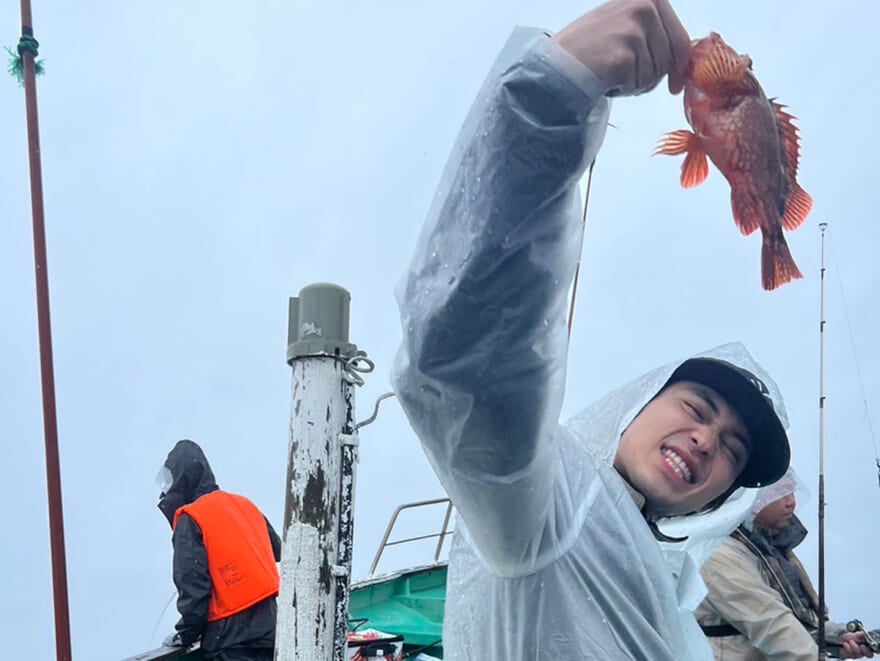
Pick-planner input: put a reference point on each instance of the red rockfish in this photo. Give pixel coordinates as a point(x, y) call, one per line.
point(751, 139)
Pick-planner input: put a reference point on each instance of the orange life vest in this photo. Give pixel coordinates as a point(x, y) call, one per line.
point(240, 559)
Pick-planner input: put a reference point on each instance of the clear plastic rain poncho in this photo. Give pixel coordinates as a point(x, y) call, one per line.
point(787, 484)
point(552, 558)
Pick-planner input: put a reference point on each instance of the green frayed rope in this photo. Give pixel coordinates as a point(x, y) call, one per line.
point(25, 44)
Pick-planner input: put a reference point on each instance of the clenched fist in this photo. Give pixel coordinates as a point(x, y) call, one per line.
point(630, 45)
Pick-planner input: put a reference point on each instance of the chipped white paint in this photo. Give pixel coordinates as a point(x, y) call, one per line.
point(308, 329)
point(316, 553)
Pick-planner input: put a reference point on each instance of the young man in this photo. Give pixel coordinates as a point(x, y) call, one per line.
point(761, 602)
point(556, 554)
point(224, 562)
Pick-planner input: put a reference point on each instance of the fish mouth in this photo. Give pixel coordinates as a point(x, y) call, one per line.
point(681, 465)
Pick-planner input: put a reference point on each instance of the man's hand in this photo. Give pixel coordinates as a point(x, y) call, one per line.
point(630, 45)
point(172, 640)
point(854, 646)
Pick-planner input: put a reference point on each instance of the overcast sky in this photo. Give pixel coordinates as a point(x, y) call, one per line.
point(205, 160)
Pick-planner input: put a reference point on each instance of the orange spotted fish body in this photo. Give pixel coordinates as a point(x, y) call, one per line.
point(751, 139)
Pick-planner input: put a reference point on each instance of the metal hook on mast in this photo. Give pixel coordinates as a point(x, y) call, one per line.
point(372, 418)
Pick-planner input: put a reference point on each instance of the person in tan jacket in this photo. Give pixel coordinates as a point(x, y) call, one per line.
point(761, 603)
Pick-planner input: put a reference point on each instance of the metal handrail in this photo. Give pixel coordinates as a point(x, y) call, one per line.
point(444, 532)
point(165, 654)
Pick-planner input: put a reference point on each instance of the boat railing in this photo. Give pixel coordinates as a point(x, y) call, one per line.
point(441, 536)
point(193, 653)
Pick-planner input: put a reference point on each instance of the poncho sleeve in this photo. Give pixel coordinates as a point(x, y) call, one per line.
point(481, 368)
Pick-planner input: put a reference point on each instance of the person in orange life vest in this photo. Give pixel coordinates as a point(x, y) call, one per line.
point(225, 552)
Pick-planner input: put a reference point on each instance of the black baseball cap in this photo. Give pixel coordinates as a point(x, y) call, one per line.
point(769, 451)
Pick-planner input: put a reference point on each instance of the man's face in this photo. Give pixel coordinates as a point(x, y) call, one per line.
point(777, 515)
point(683, 450)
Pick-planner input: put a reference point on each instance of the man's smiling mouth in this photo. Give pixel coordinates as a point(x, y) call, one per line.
point(678, 464)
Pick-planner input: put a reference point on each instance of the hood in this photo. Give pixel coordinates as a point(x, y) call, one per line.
point(785, 541)
point(191, 477)
point(790, 483)
point(600, 427)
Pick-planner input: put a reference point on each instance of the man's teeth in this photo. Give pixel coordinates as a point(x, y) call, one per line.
point(678, 464)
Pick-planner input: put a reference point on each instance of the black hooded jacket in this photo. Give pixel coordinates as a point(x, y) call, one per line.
point(191, 477)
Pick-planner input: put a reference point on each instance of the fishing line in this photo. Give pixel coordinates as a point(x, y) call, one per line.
point(161, 615)
point(855, 354)
point(577, 271)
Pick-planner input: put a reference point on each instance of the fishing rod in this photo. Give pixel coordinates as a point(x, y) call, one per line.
point(855, 354)
point(821, 631)
point(27, 52)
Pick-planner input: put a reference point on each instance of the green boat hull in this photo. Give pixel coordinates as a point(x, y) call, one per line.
point(407, 603)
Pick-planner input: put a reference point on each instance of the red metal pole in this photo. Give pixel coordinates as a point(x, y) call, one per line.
point(50, 422)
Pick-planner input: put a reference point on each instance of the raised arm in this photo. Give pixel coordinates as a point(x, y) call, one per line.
point(481, 368)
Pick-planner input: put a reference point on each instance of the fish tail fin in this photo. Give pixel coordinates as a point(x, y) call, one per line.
point(747, 209)
point(797, 207)
point(777, 264)
point(695, 167)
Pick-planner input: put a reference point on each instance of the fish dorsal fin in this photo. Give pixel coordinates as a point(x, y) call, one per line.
point(799, 203)
point(788, 135)
point(722, 65)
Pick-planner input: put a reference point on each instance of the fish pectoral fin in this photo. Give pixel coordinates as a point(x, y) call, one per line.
point(695, 167)
point(797, 207)
point(747, 211)
point(675, 143)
